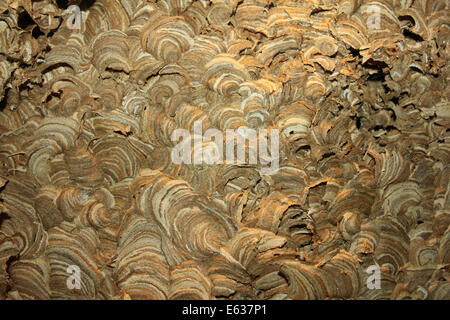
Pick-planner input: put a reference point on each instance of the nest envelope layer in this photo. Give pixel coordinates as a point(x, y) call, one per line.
point(357, 89)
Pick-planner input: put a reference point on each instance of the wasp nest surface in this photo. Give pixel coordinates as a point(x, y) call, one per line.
point(90, 100)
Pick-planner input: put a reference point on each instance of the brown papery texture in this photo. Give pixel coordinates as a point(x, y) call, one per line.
point(86, 178)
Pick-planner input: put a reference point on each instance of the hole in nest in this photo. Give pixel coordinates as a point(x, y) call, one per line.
point(62, 4)
point(11, 260)
point(375, 64)
point(411, 35)
point(83, 4)
point(3, 216)
point(393, 115)
point(395, 100)
point(379, 76)
point(376, 128)
point(24, 20)
point(357, 121)
point(36, 33)
point(328, 154)
point(302, 151)
point(407, 19)
point(390, 128)
point(86, 4)
point(354, 52)
point(53, 95)
point(304, 148)
point(416, 69)
point(3, 102)
point(317, 11)
point(298, 227)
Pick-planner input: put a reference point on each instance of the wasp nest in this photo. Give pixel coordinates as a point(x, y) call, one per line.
point(92, 92)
